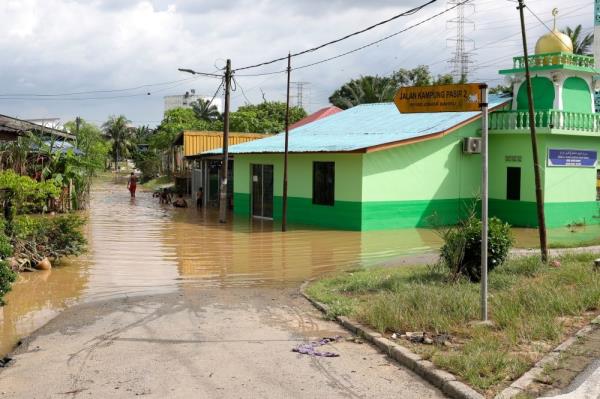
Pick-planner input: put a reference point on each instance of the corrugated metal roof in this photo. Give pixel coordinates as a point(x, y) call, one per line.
point(361, 127)
point(197, 142)
point(320, 114)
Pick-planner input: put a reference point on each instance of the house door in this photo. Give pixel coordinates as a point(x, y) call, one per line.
point(262, 191)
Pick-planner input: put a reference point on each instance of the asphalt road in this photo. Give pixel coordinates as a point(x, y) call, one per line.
point(200, 343)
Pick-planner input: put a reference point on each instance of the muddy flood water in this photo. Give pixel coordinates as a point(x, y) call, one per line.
point(140, 247)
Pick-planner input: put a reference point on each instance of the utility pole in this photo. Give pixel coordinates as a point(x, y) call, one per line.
point(484, 201)
point(225, 166)
point(285, 154)
point(77, 124)
point(539, 196)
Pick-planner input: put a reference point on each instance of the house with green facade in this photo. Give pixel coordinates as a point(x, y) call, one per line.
point(371, 167)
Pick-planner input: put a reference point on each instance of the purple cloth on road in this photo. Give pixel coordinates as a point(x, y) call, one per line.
point(309, 348)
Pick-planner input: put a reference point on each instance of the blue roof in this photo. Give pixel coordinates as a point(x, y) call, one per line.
point(59, 146)
point(360, 127)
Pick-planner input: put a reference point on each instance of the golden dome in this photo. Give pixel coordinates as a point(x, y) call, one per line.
point(554, 42)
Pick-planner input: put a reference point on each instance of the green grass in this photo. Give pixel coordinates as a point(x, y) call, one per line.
point(529, 304)
point(155, 184)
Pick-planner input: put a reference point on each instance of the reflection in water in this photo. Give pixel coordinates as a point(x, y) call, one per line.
point(255, 252)
point(137, 246)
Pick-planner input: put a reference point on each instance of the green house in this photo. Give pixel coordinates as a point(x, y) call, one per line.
point(371, 167)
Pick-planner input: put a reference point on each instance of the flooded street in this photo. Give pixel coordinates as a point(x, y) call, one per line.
point(142, 248)
point(170, 303)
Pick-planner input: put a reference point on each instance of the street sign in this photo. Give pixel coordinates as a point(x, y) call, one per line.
point(572, 158)
point(439, 98)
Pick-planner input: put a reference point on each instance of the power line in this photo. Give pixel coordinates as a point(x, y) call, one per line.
point(96, 91)
point(365, 46)
point(403, 14)
point(68, 98)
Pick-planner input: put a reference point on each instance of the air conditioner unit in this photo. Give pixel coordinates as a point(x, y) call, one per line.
point(472, 145)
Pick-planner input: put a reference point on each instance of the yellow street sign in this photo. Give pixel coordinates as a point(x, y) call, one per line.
point(441, 98)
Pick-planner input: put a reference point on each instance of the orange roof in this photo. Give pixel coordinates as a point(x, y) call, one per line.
point(320, 114)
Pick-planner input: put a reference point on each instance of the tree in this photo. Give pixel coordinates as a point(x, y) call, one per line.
point(205, 110)
point(116, 127)
point(174, 122)
point(89, 140)
point(581, 45)
point(377, 89)
point(365, 90)
point(266, 117)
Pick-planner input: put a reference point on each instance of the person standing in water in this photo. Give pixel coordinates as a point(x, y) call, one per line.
point(132, 184)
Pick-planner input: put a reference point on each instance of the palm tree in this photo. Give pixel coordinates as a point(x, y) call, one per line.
point(205, 110)
point(116, 127)
point(365, 90)
point(580, 45)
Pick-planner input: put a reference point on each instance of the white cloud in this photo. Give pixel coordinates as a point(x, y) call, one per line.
point(57, 46)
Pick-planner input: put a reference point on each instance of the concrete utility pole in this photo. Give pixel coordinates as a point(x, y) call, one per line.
point(539, 196)
point(225, 166)
point(484, 201)
point(285, 154)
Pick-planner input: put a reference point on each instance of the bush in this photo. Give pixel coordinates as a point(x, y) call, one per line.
point(461, 251)
point(7, 276)
point(51, 237)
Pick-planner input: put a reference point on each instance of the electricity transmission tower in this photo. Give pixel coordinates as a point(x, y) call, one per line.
point(300, 93)
point(462, 56)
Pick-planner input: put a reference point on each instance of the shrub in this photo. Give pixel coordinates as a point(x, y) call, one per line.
point(52, 237)
point(7, 276)
point(461, 251)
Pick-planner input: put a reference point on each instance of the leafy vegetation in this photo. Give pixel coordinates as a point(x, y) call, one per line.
point(581, 44)
point(120, 137)
point(206, 111)
point(533, 307)
point(461, 252)
point(377, 89)
point(52, 237)
point(266, 117)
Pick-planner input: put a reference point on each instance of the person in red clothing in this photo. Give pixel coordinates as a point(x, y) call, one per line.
point(132, 184)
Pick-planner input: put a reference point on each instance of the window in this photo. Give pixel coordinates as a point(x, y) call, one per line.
point(323, 183)
point(513, 184)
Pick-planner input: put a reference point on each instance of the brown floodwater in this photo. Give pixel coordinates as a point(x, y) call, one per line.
point(140, 247)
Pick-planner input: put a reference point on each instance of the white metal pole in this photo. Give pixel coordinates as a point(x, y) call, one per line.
point(484, 202)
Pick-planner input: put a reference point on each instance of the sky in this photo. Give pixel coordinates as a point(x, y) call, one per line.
point(124, 54)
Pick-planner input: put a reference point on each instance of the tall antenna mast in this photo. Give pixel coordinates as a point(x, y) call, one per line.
point(462, 57)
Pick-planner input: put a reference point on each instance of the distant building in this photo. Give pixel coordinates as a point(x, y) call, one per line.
point(53, 123)
point(186, 100)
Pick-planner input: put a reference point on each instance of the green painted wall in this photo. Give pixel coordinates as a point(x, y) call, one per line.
point(543, 94)
point(344, 214)
point(569, 193)
point(406, 186)
point(576, 95)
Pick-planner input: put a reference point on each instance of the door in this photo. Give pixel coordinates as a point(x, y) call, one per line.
point(262, 191)
point(513, 184)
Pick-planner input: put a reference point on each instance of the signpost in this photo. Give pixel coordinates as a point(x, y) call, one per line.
point(458, 98)
point(442, 98)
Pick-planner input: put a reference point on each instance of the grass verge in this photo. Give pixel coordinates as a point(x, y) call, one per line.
point(533, 308)
point(155, 184)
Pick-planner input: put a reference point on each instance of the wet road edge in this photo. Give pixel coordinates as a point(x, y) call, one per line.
point(446, 382)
